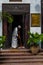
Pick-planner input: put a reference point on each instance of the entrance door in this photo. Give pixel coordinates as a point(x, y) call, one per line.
point(18, 10)
point(18, 21)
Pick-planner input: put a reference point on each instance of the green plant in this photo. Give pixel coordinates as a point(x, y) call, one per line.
point(8, 16)
point(34, 39)
point(2, 40)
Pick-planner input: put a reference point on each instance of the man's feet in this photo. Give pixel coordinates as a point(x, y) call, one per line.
point(21, 47)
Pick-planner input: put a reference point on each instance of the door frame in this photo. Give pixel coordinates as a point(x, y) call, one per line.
point(26, 19)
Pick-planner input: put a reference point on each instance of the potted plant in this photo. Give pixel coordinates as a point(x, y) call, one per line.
point(33, 42)
point(2, 40)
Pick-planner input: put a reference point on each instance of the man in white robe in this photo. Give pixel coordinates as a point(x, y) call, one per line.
point(14, 38)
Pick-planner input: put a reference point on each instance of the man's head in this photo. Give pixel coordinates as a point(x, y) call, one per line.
point(19, 26)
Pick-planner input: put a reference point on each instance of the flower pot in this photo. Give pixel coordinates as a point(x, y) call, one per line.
point(34, 49)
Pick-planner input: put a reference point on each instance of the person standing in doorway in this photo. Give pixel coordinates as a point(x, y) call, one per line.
point(14, 38)
point(19, 36)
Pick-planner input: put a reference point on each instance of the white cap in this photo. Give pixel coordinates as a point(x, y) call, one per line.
point(19, 26)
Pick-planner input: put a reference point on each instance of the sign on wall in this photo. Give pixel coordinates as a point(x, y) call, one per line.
point(35, 20)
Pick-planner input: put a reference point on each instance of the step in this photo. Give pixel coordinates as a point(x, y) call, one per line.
point(19, 54)
point(14, 54)
point(22, 64)
point(21, 60)
point(21, 57)
point(14, 50)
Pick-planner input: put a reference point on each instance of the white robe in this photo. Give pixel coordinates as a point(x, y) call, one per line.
point(14, 38)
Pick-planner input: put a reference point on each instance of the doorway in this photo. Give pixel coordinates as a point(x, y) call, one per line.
point(18, 21)
point(21, 16)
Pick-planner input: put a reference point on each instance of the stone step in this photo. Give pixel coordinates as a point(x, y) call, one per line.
point(15, 54)
point(21, 57)
point(22, 64)
point(19, 54)
point(21, 60)
point(14, 50)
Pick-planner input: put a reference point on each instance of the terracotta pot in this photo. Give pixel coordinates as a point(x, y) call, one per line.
point(34, 49)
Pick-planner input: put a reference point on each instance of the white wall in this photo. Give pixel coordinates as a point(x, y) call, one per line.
point(4, 1)
point(0, 28)
point(35, 29)
point(35, 7)
point(26, 1)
